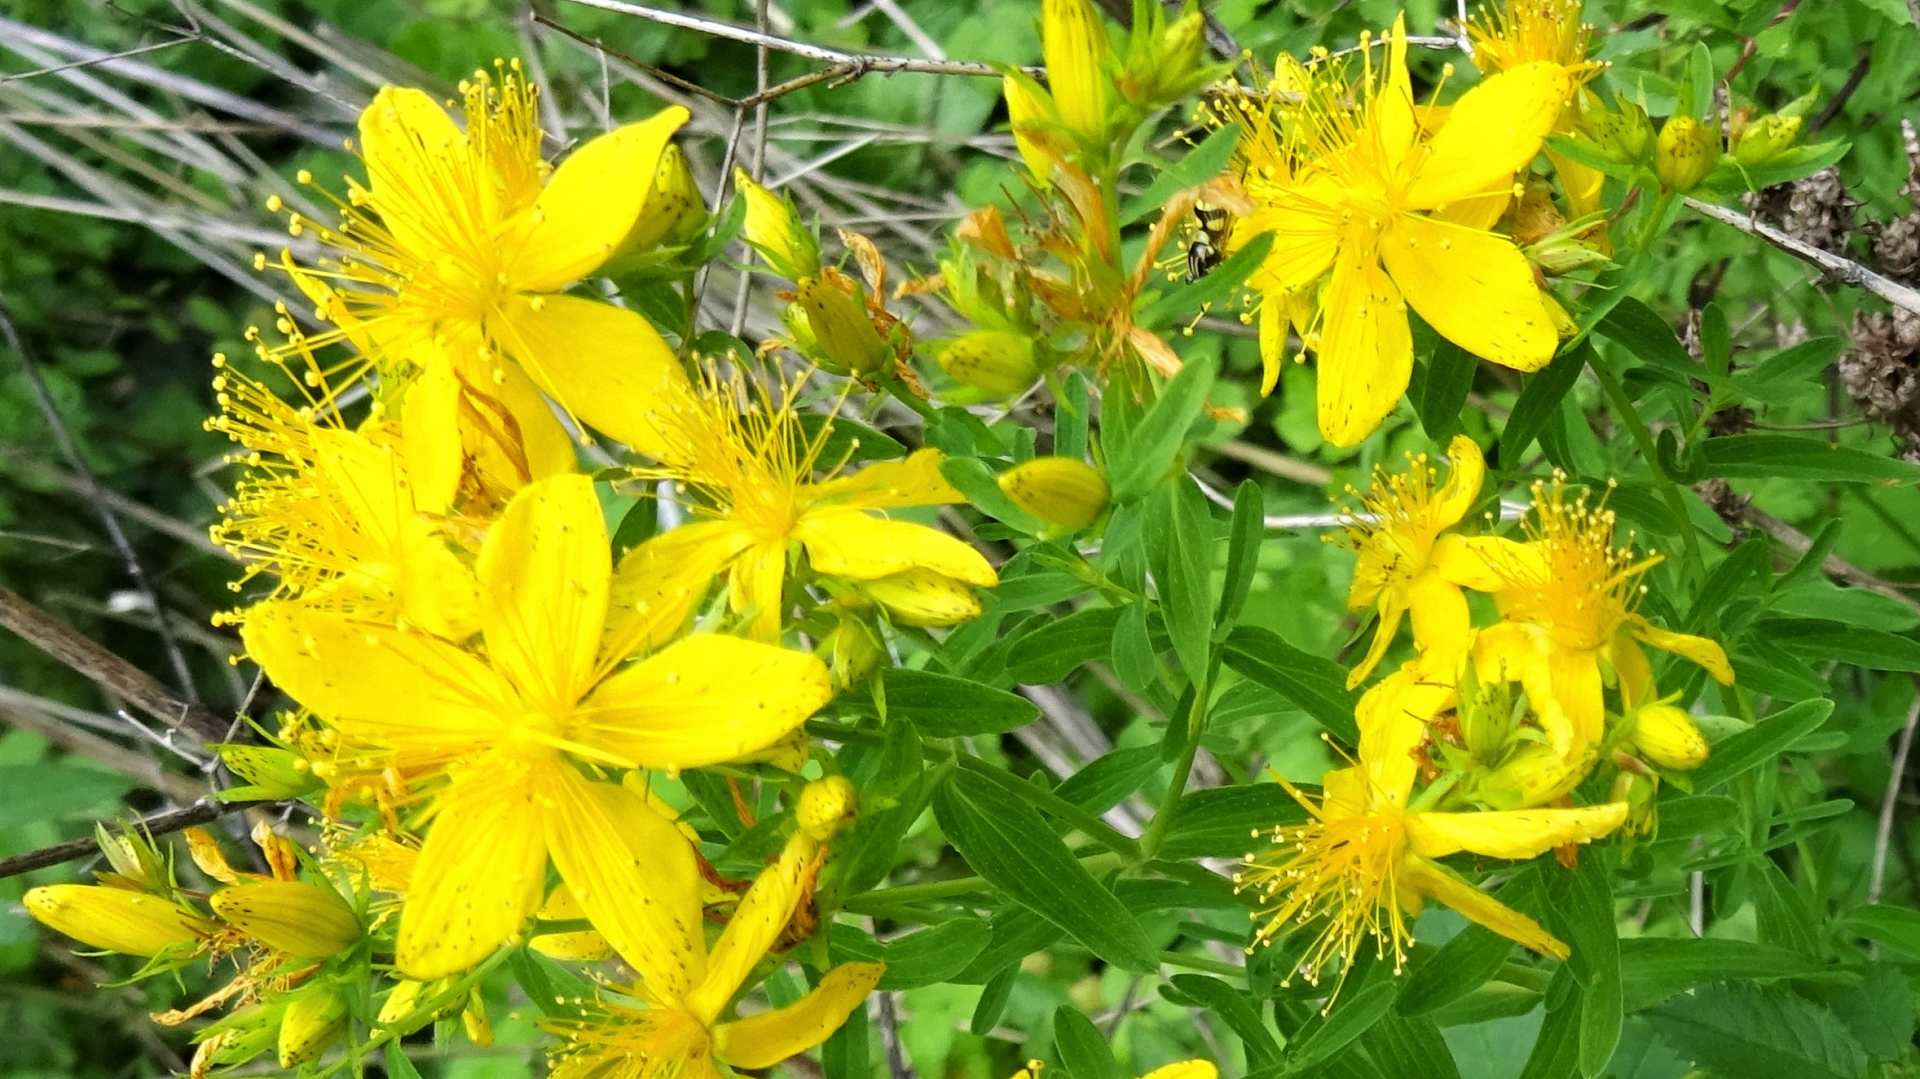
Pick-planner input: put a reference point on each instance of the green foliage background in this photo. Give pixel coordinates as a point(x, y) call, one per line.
point(123, 319)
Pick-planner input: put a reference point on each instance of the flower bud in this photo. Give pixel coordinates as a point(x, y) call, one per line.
point(1668, 738)
point(1036, 126)
point(136, 863)
point(1062, 491)
point(842, 329)
point(826, 806)
point(773, 228)
point(116, 919)
point(674, 210)
point(291, 916)
point(401, 1003)
point(1640, 793)
point(1684, 154)
point(271, 773)
point(997, 361)
point(311, 1023)
point(1625, 136)
point(1074, 43)
point(236, 1038)
point(1165, 62)
point(474, 1018)
point(1765, 139)
point(1534, 776)
point(922, 597)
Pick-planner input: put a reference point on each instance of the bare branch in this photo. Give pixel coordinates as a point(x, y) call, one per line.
point(1845, 269)
point(172, 820)
point(1878, 879)
point(104, 669)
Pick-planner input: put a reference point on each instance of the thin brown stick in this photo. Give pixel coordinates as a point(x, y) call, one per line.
point(1836, 567)
point(1901, 750)
point(1845, 269)
point(104, 669)
point(172, 820)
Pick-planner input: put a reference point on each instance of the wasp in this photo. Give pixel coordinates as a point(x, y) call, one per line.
point(1209, 236)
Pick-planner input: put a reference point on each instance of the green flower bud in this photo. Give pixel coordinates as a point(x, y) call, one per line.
point(271, 773)
point(674, 211)
point(1624, 136)
point(1061, 491)
point(851, 651)
point(312, 1022)
point(1685, 153)
point(1764, 140)
point(998, 361)
point(842, 329)
point(1668, 737)
point(237, 1038)
point(773, 228)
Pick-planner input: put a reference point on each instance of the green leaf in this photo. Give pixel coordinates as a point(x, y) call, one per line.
point(1862, 646)
point(552, 988)
point(1070, 417)
point(847, 1054)
point(1315, 684)
point(1103, 783)
point(1653, 969)
point(1879, 1011)
point(1219, 286)
point(1778, 377)
point(1244, 534)
point(847, 440)
point(1581, 907)
point(1762, 742)
point(1538, 401)
point(993, 1002)
point(1006, 841)
point(1084, 1052)
point(972, 478)
point(1182, 572)
point(1764, 456)
point(1353, 1015)
point(1057, 648)
point(1237, 1011)
point(637, 525)
point(1785, 917)
point(1221, 822)
point(927, 957)
point(399, 1065)
point(1894, 927)
point(1017, 933)
point(1134, 464)
point(942, 706)
point(1410, 1048)
point(1450, 372)
point(1195, 167)
point(55, 790)
point(1650, 339)
point(1132, 653)
point(1556, 1049)
point(1757, 1033)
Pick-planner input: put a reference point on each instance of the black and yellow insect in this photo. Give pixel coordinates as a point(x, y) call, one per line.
point(1209, 236)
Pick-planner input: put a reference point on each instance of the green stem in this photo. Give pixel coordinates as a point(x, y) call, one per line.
point(1656, 215)
point(1642, 437)
point(1199, 962)
point(1177, 789)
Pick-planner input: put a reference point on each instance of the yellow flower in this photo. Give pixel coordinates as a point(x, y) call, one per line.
point(117, 919)
point(1567, 597)
point(1366, 861)
point(1520, 32)
point(673, 1026)
point(504, 737)
point(1073, 41)
point(468, 238)
point(753, 466)
point(1181, 1069)
point(1410, 562)
point(1379, 211)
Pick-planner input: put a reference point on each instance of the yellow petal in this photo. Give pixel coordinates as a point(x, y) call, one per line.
point(1466, 471)
point(757, 588)
point(1471, 561)
point(1708, 654)
point(632, 873)
point(1392, 609)
point(292, 916)
point(606, 365)
point(438, 592)
point(587, 946)
point(1035, 125)
point(590, 204)
point(481, 872)
point(413, 151)
point(915, 481)
point(1073, 41)
point(1515, 834)
point(543, 572)
point(1366, 350)
point(1442, 623)
point(756, 924)
point(518, 438)
point(659, 582)
point(1493, 130)
point(767, 1038)
point(1478, 211)
point(1440, 882)
point(368, 479)
point(1393, 118)
point(430, 422)
point(1308, 218)
point(852, 543)
point(1185, 1069)
point(1392, 718)
point(352, 675)
point(1473, 287)
point(703, 700)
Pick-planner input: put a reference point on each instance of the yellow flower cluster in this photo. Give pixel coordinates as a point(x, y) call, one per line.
point(1478, 742)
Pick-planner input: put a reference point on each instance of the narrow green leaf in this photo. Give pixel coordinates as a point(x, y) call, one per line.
point(1058, 647)
point(1653, 969)
point(1467, 961)
point(1862, 646)
point(1762, 742)
point(993, 1002)
point(847, 1054)
point(1219, 286)
point(1084, 1052)
point(1182, 572)
point(1244, 534)
point(927, 957)
point(1450, 372)
point(1556, 1049)
point(1103, 783)
point(1237, 1011)
point(1410, 1048)
point(1006, 841)
point(1132, 654)
point(1755, 1033)
point(1195, 167)
point(1716, 347)
point(1227, 822)
point(1071, 416)
point(1134, 464)
point(942, 706)
point(1315, 684)
point(1649, 338)
point(1539, 399)
point(399, 1064)
point(1894, 927)
point(1581, 907)
point(1760, 455)
point(1017, 933)
point(1785, 917)
point(637, 525)
point(972, 478)
point(1353, 1015)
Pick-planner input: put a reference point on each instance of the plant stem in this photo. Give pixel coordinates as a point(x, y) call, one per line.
point(1642, 437)
point(1200, 962)
point(1176, 789)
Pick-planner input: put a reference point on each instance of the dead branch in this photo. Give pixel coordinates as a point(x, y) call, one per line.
point(1845, 269)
